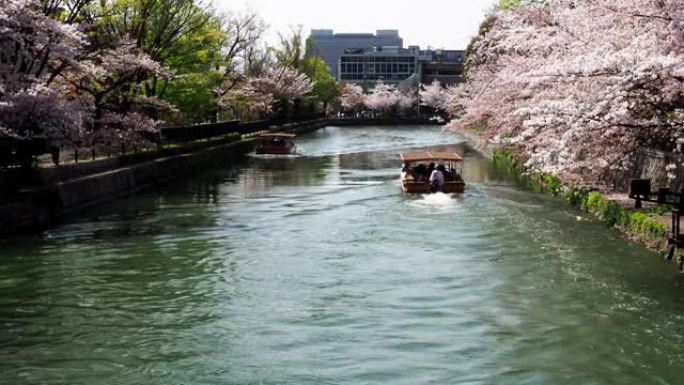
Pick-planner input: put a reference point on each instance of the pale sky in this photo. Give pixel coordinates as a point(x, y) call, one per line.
point(446, 24)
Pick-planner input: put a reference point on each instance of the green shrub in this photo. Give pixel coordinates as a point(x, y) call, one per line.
point(660, 210)
point(576, 196)
point(641, 223)
point(552, 184)
point(504, 158)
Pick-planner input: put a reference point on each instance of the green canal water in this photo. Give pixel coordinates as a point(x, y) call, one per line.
point(317, 270)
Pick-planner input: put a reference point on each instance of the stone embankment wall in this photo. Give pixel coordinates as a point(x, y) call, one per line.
point(66, 189)
point(651, 164)
point(383, 122)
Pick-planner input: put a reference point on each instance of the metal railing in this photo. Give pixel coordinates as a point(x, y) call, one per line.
point(640, 190)
point(17, 153)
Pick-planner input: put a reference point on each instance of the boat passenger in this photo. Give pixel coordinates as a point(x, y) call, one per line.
point(406, 171)
point(444, 172)
point(430, 169)
point(421, 173)
point(436, 180)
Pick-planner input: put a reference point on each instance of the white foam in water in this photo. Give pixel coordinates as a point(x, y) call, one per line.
point(437, 199)
point(436, 203)
point(274, 156)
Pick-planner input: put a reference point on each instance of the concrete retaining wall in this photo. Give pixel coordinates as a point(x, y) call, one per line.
point(651, 164)
point(71, 188)
point(383, 122)
point(81, 192)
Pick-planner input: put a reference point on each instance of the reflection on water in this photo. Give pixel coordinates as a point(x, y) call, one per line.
point(317, 269)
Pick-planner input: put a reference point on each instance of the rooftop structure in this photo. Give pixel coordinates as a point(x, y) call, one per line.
point(445, 66)
point(330, 46)
point(400, 66)
point(390, 65)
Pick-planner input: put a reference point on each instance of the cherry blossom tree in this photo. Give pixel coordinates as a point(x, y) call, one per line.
point(277, 85)
point(437, 97)
point(382, 98)
point(406, 101)
point(32, 44)
point(389, 100)
point(109, 86)
point(579, 85)
point(41, 113)
point(351, 97)
point(33, 49)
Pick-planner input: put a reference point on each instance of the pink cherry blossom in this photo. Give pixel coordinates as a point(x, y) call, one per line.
point(259, 94)
point(351, 97)
point(580, 85)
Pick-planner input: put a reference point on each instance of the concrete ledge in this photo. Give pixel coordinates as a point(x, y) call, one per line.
point(70, 188)
point(382, 122)
point(81, 192)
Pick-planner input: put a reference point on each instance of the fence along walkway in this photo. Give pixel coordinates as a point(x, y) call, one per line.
point(15, 152)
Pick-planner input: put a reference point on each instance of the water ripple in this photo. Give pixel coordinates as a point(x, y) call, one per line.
point(319, 270)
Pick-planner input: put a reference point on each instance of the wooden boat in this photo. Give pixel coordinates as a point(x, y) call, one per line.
point(276, 143)
point(416, 180)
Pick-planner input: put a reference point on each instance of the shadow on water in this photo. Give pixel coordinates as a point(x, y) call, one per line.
point(317, 269)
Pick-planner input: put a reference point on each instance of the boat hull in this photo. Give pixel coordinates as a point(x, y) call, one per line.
point(275, 150)
point(411, 187)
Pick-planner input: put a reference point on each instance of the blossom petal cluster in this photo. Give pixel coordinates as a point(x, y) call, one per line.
point(580, 85)
point(382, 98)
point(56, 86)
point(260, 93)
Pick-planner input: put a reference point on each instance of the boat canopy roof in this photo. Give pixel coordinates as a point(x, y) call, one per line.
point(277, 135)
point(410, 157)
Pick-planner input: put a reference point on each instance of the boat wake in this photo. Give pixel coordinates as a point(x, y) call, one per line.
point(435, 203)
point(274, 156)
point(437, 199)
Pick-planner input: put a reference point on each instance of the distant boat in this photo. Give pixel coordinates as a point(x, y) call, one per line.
point(415, 175)
point(276, 143)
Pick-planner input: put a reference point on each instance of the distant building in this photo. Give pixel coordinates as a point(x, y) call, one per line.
point(445, 66)
point(330, 46)
point(399, 66)
point(389, 65)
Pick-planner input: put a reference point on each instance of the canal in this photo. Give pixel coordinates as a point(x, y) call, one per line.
point(317, 270)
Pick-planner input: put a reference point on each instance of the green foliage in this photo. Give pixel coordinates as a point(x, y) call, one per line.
point(505, 5)
point(197, 51)
point(193, 58)
point(608, 211)
point(161, 28)
point(479, 128)
point(311, 49)
point(613, 214)
point(643, 224)
point(504, 158)
point(325, 85)
point(184, 36)
point(193, 95)
point(552, 184)
point(291, 50)
point(576, 196)
point(660, 210)
point(594, 201)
